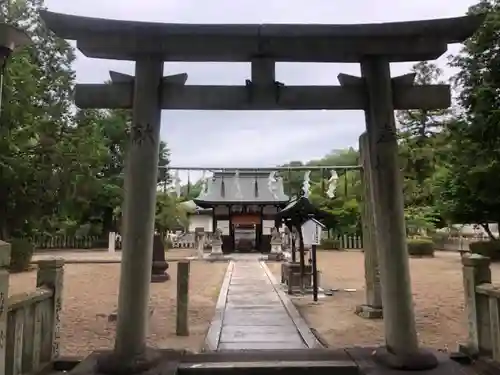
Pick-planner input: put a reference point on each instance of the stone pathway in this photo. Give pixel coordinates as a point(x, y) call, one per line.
point(254, 315)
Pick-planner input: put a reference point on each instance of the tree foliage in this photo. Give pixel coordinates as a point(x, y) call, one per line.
point(469, 187)
point(62, 169)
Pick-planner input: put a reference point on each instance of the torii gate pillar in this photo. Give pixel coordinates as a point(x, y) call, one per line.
point(402, 347)
point(372, 308)
point(141, 172)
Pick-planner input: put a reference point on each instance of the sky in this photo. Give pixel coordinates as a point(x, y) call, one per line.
point(257, 138)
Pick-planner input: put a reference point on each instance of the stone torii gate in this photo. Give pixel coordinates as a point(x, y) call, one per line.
point(374, 46)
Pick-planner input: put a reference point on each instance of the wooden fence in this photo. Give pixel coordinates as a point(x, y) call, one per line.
point(67, 242)
point(30, 322)
point(350, 241)
point(96, 242)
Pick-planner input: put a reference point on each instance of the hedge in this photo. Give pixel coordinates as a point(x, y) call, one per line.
point(21, 253)
point(490, 249)
point(329, 244)
point(440, 238)
point(422, 247)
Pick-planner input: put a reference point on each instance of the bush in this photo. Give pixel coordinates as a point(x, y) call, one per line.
point(21, 253)
point(440, 238)
point(101, 243)
point(490, 249)
point(422, 247)
point(329, 244)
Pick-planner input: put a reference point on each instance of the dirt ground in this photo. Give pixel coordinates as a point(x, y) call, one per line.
point(437, 290)
point(80, 255)
point(91, 294)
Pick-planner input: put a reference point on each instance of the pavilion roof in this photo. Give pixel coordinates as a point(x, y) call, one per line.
point(300, 209)
point(126, 40)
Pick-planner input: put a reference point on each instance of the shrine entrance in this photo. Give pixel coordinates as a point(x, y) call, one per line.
point(373, 46)
point(245, 201)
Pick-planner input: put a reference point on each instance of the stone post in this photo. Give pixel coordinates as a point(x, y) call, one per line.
point(216, 248)
point(130, 354)
point(4, 295)
point(200, 243)
point(50, 274)
point(476, 271)
point(276, 243)
point(372, 309)
point(216, 251)
point(111, 242)
point(402, 348)
point(159, 266)
point(182, 320)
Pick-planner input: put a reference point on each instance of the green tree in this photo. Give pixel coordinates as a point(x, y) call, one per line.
point(113, 129)
point(293, 180)
point(170, 214)
point(34, 122)
point(344, 207)
point(420, 141)
point(469, 188)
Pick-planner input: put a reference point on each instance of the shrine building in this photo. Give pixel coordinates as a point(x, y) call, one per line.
point(199, 218)
point(244, 207)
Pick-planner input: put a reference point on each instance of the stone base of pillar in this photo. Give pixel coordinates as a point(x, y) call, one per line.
point(468, 351)
point(111, 364)
point(420, 361)
point(216, 249)
point(160, 278)
point(276, 248)
point(200, 251)
point(275, 257)
point(464, 355)
point(369, 312)
point(158, 272)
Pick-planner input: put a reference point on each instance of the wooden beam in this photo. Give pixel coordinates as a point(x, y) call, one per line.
point(191, 97)
point(174, 79)
point(346, 80)
point(398, 41)
point(263, 72)
point(350, 80)
point(406, 79)
point(263, 169)
point(117, 77)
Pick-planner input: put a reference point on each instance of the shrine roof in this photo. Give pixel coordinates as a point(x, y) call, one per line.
point(126, 40)
point(253, 189)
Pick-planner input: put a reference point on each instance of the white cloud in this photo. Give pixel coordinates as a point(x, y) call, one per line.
point(254, 138)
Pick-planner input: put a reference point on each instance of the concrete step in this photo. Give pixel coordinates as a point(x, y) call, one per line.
point(270, 368)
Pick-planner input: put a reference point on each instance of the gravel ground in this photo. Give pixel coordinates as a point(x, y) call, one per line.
point(97, 256)
point(91, 294)
point(438, 296)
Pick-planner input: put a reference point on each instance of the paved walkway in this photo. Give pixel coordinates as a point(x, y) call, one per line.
point(254, 315)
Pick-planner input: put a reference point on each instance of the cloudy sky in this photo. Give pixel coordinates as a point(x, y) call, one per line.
point(251, 139)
